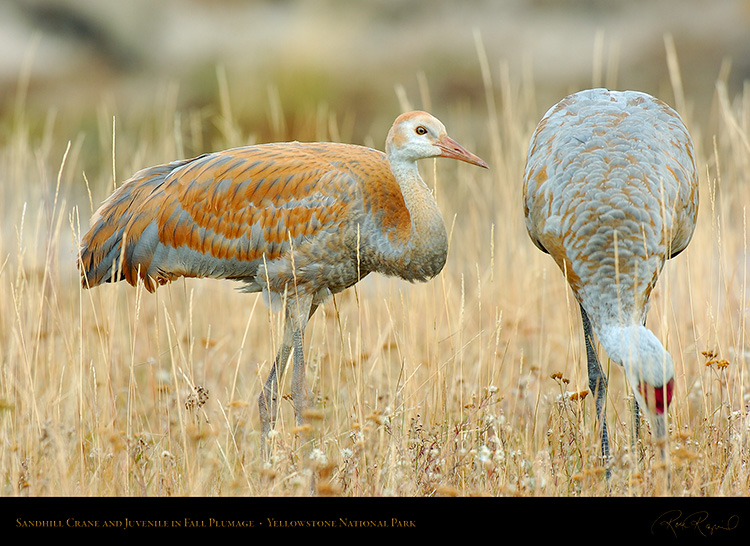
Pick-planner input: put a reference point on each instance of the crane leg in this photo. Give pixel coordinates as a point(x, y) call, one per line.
point(636, 427)
point(597, 384)
point(268, 401)
point(636, 423)
point(300, 395)
point(298, 312)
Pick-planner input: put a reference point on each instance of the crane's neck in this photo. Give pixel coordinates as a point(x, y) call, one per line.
point(640, 352)
point(426, 249)
point(648, 367)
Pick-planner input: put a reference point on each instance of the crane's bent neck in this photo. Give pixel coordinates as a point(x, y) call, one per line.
point(640, 352)
point(427, 224)
point(423, 253)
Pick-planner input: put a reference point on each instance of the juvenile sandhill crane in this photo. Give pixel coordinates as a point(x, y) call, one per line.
point(296, 221)
point(610, 192)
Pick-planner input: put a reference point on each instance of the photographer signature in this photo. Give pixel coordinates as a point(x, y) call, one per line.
point(674, 521)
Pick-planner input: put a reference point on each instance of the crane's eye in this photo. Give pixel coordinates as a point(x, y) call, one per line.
point(420, 130)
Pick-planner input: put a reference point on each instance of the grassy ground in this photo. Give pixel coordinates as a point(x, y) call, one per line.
point(468, 385)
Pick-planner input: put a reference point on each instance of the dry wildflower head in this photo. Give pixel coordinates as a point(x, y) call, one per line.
point(376, 417)
point(560, 378)
point(139, 449)
point(712, 358)
point(197, 433)
point(598, 471)
point(579, 395)
point(313, 414)
point(302, 429)
point(327, 489)
point(325, 471)
point(447, 491)
point(589, 474)
point(683, 455)
point(268, 473)
point(197, 399)
point(319, 459)
point(168, 456)
point(635, 479)
point(23, 475)
point(720, 364)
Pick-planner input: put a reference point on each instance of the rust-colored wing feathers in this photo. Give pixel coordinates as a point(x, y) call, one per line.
point(101, 247)
point(221, 214)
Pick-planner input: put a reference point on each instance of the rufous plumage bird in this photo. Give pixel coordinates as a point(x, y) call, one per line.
point(295, 221)
point(611, 192)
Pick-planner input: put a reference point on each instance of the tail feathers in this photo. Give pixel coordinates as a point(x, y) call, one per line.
point(129, 216)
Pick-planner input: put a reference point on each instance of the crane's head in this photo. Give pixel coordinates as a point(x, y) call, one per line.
point(649, 370)
point(419, 135)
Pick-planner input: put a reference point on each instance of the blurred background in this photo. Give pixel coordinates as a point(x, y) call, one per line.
point(349, 56)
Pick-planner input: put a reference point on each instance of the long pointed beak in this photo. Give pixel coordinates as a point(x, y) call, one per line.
point(453, 150)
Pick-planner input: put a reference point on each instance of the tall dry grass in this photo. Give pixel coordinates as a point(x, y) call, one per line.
point(467, 385)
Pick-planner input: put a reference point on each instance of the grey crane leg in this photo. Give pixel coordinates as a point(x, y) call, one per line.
point(636, 423)
point(268, 401)
point(298, 312)
point(300, 395)
point(636, 426)
point(597, 384)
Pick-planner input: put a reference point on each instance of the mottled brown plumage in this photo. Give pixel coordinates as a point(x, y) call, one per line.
point(297, 221)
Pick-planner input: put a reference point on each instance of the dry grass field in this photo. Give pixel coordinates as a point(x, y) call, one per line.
point(469, 385)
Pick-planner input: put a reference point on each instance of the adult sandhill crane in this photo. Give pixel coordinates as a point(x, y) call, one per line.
point(611, 192)
point(296, 221)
